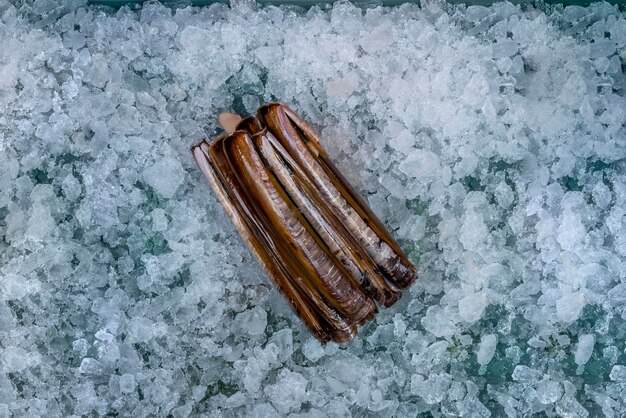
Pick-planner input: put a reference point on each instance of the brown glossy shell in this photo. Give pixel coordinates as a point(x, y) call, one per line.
point(322, 246)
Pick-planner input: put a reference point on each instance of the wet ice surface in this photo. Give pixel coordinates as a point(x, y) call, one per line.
point(490, 140)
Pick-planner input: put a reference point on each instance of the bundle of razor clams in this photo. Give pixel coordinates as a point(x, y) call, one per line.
point(319, 242)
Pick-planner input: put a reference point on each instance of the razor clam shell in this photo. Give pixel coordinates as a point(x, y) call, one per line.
point(318, 265)
point(304, 147)
point(306, 197)
point(319, 242)
point(270, 249)
point(325, 324)
point(249, 124)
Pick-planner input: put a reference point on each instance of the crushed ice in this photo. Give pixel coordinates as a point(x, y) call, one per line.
point(492, 140)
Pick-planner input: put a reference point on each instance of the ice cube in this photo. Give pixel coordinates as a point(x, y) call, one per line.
point(165, 176)
point(584, 349)
point(486, 349)
point(289, 391)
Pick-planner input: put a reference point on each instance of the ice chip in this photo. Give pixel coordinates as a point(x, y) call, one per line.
point(90, 366)
point(439, 322)
point(289, 391)
point(284, 341)
point(486, 349)
point(432, 390)
point(377, 40)
point(15, 359)
point(569, 307)
point(165, 176)
point(618, 373)
point(472, 306)
point(421, 164)
point(252, 321)
point(548, 391)
point(584, 349)
point(523, 373)
point(313, 350)
point(127, 383)
point(342, 87)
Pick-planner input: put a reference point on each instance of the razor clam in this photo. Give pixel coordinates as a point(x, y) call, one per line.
point(343, 245)
point(288, 272)
point(304, 147)
point(318, 241)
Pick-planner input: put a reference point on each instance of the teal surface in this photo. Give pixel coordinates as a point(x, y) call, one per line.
point(367, 3)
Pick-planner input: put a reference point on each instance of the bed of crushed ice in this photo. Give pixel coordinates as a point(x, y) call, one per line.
point(492, 141)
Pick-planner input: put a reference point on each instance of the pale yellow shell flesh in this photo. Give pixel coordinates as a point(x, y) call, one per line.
point(229, 121)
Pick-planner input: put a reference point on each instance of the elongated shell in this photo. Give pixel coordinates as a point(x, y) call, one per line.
point(321, 245)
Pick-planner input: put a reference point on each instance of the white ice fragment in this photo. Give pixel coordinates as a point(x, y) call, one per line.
point(586, 111)
point(473, 232)
point(571, 231)
point(164, 176)
point(504, 195)
point(250, 103)
point(617, 295)
point(475, 90)
point(264, 410)
point(13, 286)
point(159, 220)
point(584, 349)
point(15, 359)
point(81, 346)
point(536, 342)
point(489, 111)
point(433, 390)
point(486, 349)
point(252, 375)
point(9, 64)
point(601, 195)
point(504, 64)
point(99, 72)
point(313, 350)
point(253, 321)
point(268, 55)
point(618, 373)
point(505, 48)
point(105, 336)
point(288, 392)
point(523, 373)
point(399, 326)
point(403, 142)
point(90, 366)
point(71, 187)
point(127, 383)
point(472, 306)
point(569, 306)
point(573, 90)
point(549, 391)
point(421, 164)
point(182, 411)
point(283, 339)
point(439, 322)
point(342, 87)
point(41, 223)
point(602, 48)
point(601, 64)
point(235, 400)
point(376, 40)
point(141, 329)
